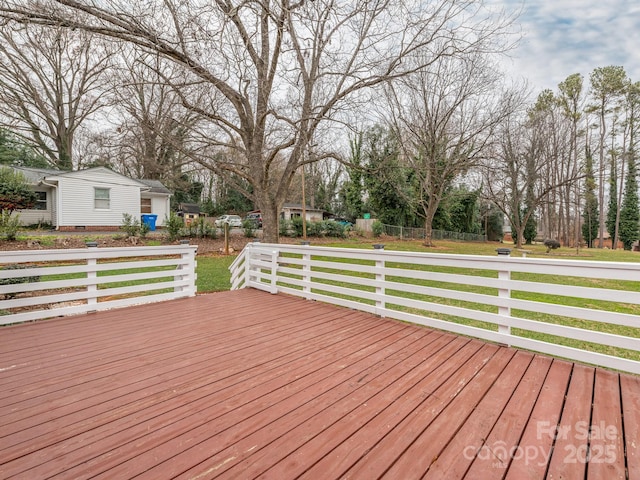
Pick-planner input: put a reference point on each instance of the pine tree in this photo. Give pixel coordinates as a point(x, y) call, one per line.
point(630, 213)
point(590, 214)
point(530, 229)
point(613, 207)
point(14, 152)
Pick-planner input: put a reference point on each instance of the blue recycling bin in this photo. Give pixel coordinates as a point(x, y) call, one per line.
point(150, 220)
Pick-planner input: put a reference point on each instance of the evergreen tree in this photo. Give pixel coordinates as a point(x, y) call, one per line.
point(186, 190)
point(384, 177)
point(13, 152)
point(494, 223)
point(458, 211)
point(590, 214)
point(530, 229)
point(232, 196)
point(630, 213)
point(613, 208)
point(352, 189)
point(15, 193)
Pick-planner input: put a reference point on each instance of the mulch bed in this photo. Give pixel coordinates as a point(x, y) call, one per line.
point(206, 246)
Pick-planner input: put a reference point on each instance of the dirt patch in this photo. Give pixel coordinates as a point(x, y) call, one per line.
point(206, 246)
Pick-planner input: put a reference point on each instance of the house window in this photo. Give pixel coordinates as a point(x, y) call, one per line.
point(41, 201)
point(102, 198)
point(145, 205)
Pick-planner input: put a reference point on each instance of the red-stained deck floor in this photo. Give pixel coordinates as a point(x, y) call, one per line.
point(250, 385)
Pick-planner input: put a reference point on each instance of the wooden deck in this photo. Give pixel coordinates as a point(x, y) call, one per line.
point(250, 385)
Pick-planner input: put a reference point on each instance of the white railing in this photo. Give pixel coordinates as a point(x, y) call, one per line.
point(49, 283)
point(580, 310)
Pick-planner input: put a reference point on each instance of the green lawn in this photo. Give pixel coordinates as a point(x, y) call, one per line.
point(214, 276)
point(213, 273)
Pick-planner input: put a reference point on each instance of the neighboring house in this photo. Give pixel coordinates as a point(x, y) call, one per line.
point(190, 212)
point(91, 199)
point(292, 210)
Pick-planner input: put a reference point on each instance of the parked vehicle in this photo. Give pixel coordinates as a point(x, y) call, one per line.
point(231, 220)
point(255, 218)
point(342, 221)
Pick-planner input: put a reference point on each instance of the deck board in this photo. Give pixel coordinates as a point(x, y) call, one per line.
point(246, 384)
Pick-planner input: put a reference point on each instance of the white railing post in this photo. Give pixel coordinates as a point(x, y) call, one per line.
point(186, 271)
point(306, 271)
point(248, 266)
point(189, 271)
point(504, 275)
point(274, 271)
point(380, 278)
point(92, 274)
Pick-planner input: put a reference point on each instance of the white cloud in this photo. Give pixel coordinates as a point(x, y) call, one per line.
point(562, 37)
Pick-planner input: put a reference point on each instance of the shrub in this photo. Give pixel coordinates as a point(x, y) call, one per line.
point(130, 225)
point(316, 229)
point(16, 280)
point(249, 227)
point(200, 228)
point(144, 229)
point(296, 227)
point(9, 225)
point(551, 244)
point(15, 192)
point(284, 228)
point(174, 224)
point(377, 228)
point(205, 228)
point(334, 229)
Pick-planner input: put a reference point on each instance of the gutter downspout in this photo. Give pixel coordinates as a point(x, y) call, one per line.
point(58, 201)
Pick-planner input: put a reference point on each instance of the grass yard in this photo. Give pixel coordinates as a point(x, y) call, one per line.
point(214, 276)
point(213, 273)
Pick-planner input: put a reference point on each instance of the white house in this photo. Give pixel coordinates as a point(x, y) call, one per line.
point(292, 210)
point(91, 199)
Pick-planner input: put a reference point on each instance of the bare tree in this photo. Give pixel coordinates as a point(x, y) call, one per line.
point(444, 116)
point(607, 87)
point(50, 84)
point(153, 132)
point(548, 118)
point(274, 71)
point(571, 102)
point(518, 179)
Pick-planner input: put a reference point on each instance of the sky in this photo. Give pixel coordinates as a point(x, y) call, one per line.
point(562, 37)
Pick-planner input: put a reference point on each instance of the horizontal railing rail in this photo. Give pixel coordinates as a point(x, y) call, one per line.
point(580, 310)
point(48, 283)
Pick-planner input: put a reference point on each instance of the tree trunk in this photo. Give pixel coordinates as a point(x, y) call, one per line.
point(520, 235)
point(270, 211)
point(429, 213)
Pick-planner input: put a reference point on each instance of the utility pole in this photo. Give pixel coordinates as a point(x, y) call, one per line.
point(304, 208)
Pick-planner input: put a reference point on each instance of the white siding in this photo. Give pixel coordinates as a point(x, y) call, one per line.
point(77, 198)
point(32, 217)
point(312, 214)
point(160, 207)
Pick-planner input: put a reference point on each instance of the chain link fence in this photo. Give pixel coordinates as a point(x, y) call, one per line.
point(409, 233)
